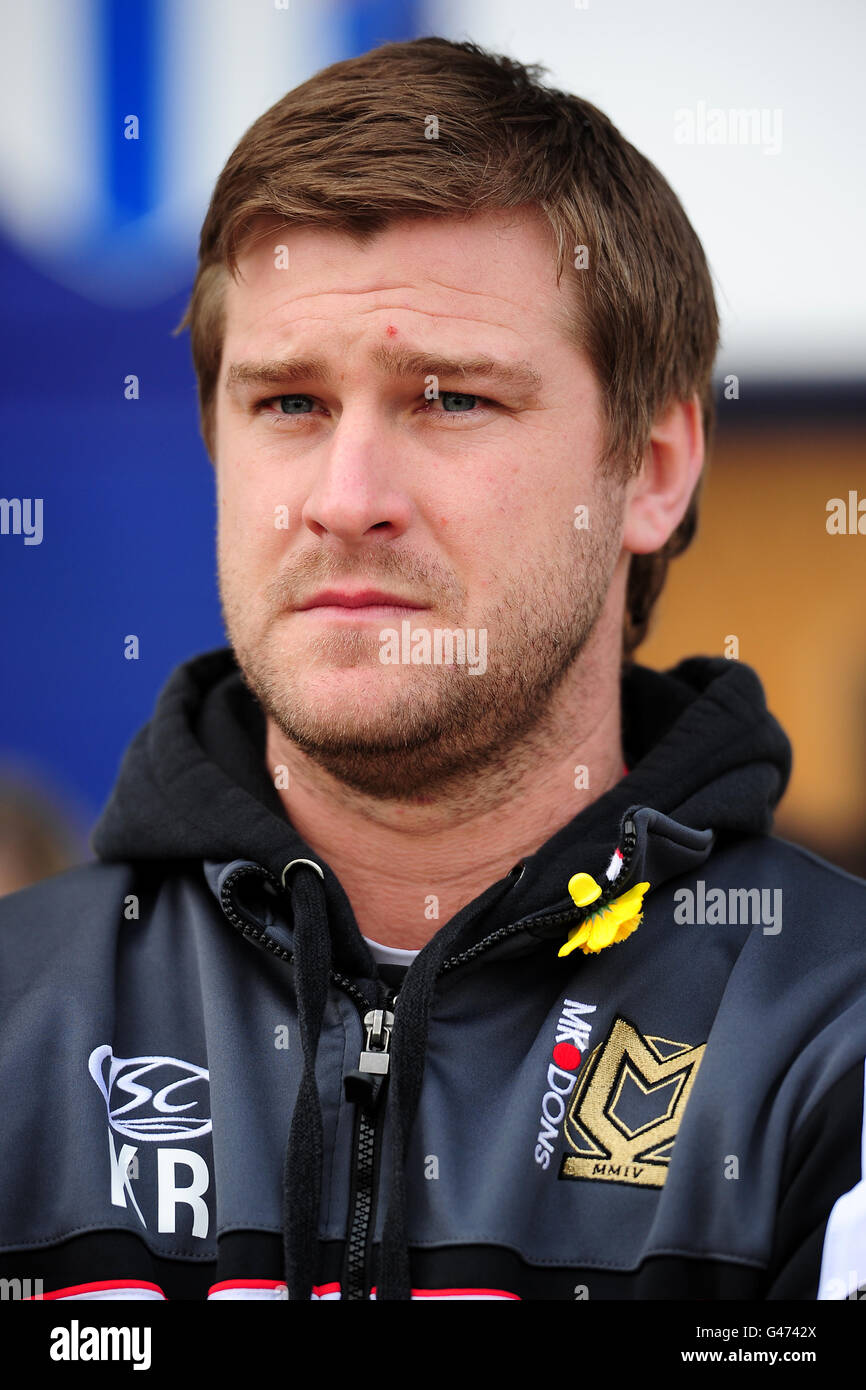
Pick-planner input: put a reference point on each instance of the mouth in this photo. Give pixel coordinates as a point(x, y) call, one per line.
point(370, 604)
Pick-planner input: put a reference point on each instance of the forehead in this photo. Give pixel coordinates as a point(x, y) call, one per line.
point(496, 270)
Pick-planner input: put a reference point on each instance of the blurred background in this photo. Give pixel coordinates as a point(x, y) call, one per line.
point(755, 116)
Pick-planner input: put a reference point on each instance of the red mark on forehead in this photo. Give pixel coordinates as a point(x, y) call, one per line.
point(391, 331)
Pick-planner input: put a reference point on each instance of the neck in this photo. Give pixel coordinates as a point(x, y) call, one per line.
point(407, 867)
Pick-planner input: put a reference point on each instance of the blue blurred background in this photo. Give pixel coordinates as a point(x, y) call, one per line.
point(98, 236)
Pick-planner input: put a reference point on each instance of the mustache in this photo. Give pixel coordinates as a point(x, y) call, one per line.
point(428, 583)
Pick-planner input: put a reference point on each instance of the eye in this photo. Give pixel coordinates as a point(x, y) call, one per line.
point(288, 405)
point(280, 412)
point(455, 403)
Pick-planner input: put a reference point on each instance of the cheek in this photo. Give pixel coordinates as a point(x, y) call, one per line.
point(485, 526)
point(252, 521)
point(511, 514)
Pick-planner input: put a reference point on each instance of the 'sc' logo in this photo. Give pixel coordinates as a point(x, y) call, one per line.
point(152, 1098)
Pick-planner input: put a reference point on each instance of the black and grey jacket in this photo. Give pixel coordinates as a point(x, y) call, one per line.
point(209, 1089)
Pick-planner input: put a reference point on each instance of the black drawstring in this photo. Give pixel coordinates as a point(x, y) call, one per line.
point(302, 1183)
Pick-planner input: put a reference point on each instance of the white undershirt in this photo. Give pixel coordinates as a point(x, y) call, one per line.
point(390, 955)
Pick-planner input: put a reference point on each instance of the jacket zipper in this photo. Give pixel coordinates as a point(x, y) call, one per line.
point(367, 1085)
point(569, 916)
point(267, 943)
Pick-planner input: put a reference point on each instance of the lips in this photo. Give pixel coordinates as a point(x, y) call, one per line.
point(362, 598)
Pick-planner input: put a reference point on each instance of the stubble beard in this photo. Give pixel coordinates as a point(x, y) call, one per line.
point(442, 726)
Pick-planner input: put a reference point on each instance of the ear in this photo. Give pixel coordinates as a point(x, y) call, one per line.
point(658, 495)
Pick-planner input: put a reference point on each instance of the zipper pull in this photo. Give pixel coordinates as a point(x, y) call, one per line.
point(364, 1085)
point(375, 1058)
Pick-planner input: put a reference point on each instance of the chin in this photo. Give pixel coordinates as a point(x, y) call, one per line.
point(362, 696)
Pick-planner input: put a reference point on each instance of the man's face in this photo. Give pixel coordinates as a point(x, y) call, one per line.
point(348, 473)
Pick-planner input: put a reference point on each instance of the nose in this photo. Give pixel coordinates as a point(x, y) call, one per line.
point(358, 487)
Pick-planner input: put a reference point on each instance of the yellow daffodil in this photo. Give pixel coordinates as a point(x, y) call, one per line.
point(613, 922)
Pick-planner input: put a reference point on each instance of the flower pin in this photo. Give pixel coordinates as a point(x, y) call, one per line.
point(613, 922)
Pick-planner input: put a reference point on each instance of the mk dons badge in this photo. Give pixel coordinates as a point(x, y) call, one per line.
point(627, 1106)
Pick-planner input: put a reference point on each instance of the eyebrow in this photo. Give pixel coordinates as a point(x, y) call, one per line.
point(398, 361)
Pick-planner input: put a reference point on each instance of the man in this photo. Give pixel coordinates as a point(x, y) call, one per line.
point(437, 949)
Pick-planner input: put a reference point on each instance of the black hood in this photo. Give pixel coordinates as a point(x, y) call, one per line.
point(700, 745)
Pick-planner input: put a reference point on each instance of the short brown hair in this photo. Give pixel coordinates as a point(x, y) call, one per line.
point(348, 150)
